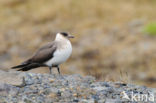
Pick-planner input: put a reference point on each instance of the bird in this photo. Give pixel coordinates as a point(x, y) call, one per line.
point(50, 55)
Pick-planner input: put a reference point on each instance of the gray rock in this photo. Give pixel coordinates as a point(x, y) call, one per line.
point(13, 78)
point(45, 88)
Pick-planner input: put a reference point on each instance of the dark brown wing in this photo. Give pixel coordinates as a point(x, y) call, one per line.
point(44, 54)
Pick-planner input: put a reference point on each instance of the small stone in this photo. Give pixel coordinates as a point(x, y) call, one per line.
point(58, 93)
point(62, 89)
point(51, 80)
point(75, 94)
point(33, 98)
point(75, 100)
point(52, 95)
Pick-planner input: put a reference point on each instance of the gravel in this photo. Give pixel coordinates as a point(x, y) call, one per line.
point(45, 88)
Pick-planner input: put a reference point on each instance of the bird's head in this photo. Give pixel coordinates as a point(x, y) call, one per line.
point(63, 35)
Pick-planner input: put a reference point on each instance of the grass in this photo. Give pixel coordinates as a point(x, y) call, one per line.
point(150, 29)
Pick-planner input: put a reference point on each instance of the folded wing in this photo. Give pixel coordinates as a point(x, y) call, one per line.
point(39, 58)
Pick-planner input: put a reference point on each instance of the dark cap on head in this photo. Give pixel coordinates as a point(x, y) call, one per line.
point(66, 35)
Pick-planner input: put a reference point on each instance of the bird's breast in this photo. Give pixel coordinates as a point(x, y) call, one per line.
point(61, 55)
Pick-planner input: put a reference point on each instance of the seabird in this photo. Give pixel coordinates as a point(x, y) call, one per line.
point(50, 55)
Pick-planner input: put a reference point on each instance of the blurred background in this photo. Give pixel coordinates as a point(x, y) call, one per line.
point(115, 40)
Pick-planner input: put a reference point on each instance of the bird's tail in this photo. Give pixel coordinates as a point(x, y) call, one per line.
point(29, 67)
point(26, 63)
point(19, 66)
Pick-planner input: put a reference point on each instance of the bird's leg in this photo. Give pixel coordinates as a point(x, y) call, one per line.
point(58, 69)
point(50, 68)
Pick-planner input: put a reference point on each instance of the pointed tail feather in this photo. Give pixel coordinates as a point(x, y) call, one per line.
point(25, 63)
point(29, 67)
point(19, 66)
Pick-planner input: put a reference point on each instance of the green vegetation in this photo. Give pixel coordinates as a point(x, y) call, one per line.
point(150, 28)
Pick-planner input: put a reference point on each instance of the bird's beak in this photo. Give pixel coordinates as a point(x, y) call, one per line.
point(70, 36)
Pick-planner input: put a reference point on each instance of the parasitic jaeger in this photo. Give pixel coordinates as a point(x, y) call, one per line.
point(50, 55)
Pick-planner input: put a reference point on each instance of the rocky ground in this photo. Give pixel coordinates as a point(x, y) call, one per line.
point(106, 39)
point(20, 87)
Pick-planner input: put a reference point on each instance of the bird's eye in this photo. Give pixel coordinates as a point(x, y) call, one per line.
point(64, 34)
